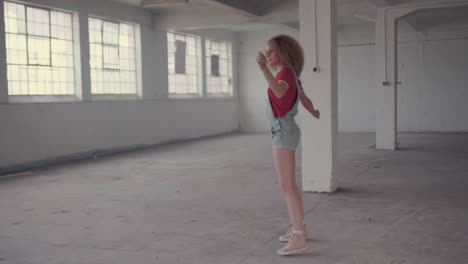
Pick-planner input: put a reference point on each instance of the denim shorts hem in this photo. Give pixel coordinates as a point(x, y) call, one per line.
point(282, 147)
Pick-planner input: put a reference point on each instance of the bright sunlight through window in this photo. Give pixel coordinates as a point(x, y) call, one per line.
point(218, 67)
point(39, 46)
point(112, 57)
point(183, 64)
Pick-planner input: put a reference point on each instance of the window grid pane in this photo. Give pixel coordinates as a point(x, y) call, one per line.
point(15, 21)
point(112, 57)
point(61, 25)
point(39, 51)
point(40, 60)
point(187, 83)
point(38, 22)
point(219, 81)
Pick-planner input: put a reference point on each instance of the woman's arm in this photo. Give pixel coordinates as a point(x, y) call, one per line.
point(279, 88)
point(307, 103)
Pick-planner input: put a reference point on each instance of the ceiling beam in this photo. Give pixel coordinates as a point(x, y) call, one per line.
point(385, 3)
point(246, 7)
point(151, 3)
point(381, 3)
point(413, 24)
point(211, 17)
point(365, 17)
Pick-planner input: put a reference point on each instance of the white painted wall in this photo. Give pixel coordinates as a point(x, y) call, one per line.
point(433, 70)
point(356, 88)
point(39, 131)
point(434, 91)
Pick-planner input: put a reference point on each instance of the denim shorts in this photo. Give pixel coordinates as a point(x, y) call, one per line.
point(285, 134)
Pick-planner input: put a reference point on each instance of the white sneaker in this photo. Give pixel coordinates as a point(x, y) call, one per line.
point(285, 237)
point(296, 245)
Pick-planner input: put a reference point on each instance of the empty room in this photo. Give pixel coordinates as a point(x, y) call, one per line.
point(234, 131)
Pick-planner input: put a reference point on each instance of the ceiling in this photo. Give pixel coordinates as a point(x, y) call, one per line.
point(258, 13)
point(432, 19)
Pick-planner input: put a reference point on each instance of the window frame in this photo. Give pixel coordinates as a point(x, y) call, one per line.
point(199, 71)
point(229, 65)
point(138, 95)
point(37, 36)
point(75, 40)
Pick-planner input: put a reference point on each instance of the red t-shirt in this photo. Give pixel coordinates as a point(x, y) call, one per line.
point(282, 105)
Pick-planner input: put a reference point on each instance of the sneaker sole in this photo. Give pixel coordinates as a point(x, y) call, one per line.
point(291, 252)
point(286, 240)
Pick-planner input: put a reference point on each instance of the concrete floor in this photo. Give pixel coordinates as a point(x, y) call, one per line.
point(216, 201)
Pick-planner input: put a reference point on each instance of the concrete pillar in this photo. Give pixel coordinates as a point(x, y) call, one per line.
point(319, 137)
point(204, 80)
point(85, 89)
point(386, 118)
point(3, 59)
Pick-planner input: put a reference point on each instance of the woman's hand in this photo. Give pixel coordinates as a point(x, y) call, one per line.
point(261, 60)
point(316, 113)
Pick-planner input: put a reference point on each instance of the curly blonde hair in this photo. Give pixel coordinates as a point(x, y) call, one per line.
point(290, 51)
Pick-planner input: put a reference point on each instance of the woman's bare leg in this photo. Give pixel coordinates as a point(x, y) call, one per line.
point(285, 162)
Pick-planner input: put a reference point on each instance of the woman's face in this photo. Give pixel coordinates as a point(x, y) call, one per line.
point(272, 54)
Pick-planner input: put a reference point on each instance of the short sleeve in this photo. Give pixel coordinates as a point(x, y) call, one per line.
point(287, 76)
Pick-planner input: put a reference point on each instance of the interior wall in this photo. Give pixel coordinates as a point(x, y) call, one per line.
point(432, 69)
point(356, 86)
point(31, 132)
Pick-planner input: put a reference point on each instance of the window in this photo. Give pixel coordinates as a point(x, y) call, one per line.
point(113, 57)
point(218, 67)
point(40, 51)
point(183, 64)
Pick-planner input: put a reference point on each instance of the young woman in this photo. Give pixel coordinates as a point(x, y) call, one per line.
point(286, 55)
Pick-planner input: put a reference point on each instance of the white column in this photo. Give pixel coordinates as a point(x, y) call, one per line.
point(3, 60)
point(84, 52)
point(386, 118)
point(318, 37)
point(203, 68)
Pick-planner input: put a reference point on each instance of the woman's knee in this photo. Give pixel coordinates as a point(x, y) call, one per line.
point(287, 188)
